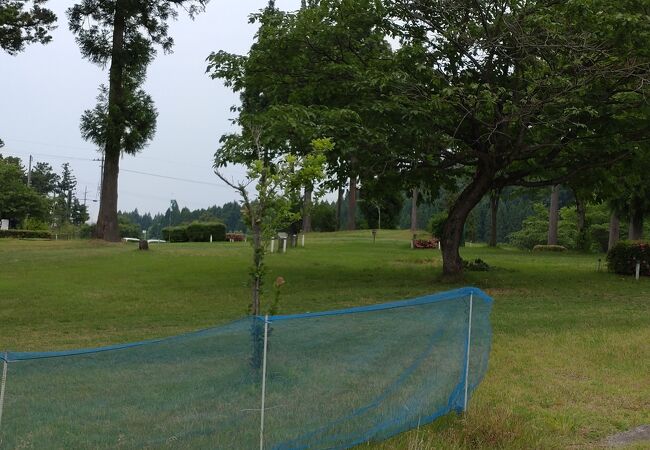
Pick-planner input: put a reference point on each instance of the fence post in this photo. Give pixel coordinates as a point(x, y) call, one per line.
point(266, 338)
point(469, 340)
point(2, 386)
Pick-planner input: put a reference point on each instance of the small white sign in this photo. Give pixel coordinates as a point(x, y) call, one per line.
point(4, 224)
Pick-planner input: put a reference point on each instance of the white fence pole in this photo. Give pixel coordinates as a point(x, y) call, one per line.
point(272, 244)
point(2, 385)
point(266, 338)
point(469, 340)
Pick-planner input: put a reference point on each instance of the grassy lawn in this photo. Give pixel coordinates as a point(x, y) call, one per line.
point(571, 349)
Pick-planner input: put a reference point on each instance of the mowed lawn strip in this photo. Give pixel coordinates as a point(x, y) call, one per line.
point(571, 352)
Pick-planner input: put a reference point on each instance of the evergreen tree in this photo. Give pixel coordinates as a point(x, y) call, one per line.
point(124, 33)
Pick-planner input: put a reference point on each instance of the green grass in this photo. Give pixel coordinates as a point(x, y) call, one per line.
point(571, 346)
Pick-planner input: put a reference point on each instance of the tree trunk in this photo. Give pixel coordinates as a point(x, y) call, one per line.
point(452, 232)
point(414, 211)
point(614, 230)
point(352, 204)
point(258, 261)
point(553, 215)
point(495, 196)
point(581, 211)
point(339, 205)
point(636, 225)
point(306, 210)
point(107, 225)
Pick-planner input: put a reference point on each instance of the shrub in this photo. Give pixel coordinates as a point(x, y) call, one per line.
point(87, 231)
point(128, 228)
point(33, 224)
point(175, 234)
point(425, 243)
point(623, 256)
point(201, 231)
point(237, 237)
point(26, 234)
point(599, 237)
point(478, 265)
point(549, 248)
point(323, 217)
point(436, 223)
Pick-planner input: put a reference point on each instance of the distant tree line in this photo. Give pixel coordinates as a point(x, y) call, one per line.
point(40, 199)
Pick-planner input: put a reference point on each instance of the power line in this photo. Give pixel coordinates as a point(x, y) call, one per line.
point(186, 180)
point(207, 183)
point(91, 150)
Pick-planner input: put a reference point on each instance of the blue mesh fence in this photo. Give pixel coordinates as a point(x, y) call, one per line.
point(333, 380)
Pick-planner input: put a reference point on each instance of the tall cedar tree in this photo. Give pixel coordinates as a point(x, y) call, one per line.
point(124, 33)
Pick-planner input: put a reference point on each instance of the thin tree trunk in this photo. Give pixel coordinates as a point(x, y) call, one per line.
point(339, 205)
point(107, 225)
point(352, 204)
point(414, 211)
point(306, 210)
point(636, 225)
point(581, 211)
point(258, 260)
point(452, 232)
point(553, 216)
point(614, 230)
point(495, 196)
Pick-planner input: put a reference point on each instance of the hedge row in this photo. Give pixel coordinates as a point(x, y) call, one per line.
point(549, 248)
point(622, 258)
point(195, 232)
point(25, 234)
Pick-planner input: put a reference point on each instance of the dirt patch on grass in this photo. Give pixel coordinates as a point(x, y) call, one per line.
point(636, 435)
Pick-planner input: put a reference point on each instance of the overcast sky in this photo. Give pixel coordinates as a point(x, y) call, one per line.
point(45, 89)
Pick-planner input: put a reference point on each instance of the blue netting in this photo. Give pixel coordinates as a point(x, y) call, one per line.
point(333, 380)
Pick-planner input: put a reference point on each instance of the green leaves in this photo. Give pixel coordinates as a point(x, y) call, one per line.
point(137, 119)
point(20, 26)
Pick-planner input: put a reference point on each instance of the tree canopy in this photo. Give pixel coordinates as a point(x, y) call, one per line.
point(21, 24)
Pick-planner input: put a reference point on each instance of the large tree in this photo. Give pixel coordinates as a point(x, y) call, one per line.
point(523, 93)
point(124, 34)
point(23, 22)
point(313, 73)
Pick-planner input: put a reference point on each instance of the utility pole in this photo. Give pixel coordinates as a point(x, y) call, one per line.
point(85, 194)
point(29, 172)
point(101, 176)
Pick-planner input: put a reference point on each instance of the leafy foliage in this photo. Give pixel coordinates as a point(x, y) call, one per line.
point(477, 265)
point(138, 118)
point(549, 248)
point(26, 234)
point(203, 231)
point(277, 185)
point(17, 200)
point(622, 258)
point(20, 25)
point(535, 230)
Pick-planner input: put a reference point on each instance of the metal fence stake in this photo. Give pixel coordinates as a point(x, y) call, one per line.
point(266, 337)
point(469, 340)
